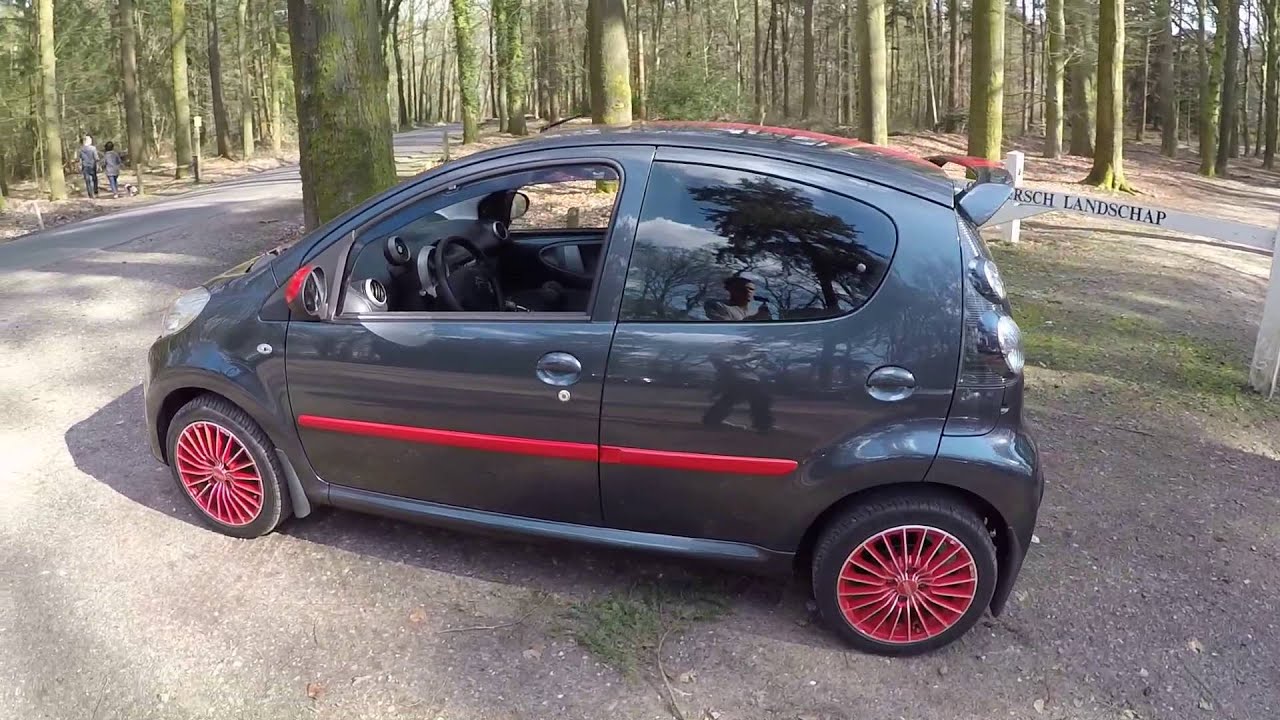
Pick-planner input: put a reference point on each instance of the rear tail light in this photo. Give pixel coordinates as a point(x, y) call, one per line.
point(992, 357)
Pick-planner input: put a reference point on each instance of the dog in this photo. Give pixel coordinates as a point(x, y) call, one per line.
point(130, 189)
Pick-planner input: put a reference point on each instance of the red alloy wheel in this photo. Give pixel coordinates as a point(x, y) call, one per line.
point(907, 584)
point(219, 473)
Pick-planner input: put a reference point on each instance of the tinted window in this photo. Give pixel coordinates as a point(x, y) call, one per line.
point(723, 245)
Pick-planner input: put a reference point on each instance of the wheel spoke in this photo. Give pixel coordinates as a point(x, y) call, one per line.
point(219, 473)
point(906, 584)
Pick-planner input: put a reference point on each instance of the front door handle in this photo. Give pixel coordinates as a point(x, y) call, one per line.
point(891, 384)
point(559, 369)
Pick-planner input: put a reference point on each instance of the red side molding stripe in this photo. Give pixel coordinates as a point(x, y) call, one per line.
point(608, 454)
point(454, 438)
point(696, 461)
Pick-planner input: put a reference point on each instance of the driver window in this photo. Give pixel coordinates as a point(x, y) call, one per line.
point(523, 242)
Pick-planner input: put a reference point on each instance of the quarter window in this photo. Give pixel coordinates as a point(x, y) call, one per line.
point(721, 245)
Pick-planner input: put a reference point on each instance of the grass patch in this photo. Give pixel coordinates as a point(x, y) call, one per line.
point(1068, 327)
point(624, 628)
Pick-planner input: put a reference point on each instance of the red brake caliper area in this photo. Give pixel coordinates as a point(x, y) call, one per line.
point(219, 473)
point(907, 584)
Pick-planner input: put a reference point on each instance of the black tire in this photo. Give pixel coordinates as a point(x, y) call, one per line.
point(847, 532)
point(216, 411)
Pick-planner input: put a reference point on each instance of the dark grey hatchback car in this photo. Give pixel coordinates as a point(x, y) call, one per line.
point(762, 347)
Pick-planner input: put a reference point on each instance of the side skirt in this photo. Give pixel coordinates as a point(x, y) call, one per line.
point(746, 557)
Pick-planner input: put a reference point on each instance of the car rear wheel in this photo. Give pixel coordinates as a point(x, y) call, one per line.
point(904, 575)
point(226, 467)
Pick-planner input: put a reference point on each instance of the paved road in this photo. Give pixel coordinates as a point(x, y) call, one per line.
point(191, 210)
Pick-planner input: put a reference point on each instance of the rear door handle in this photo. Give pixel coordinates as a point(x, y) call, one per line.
point(891, 383)
point(559, 369)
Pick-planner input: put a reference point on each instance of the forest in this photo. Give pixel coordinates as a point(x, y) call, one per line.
point(333, 79)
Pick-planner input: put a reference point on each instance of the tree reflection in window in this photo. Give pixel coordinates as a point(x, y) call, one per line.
point(810, 253)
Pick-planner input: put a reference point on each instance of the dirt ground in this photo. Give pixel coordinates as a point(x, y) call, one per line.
point(1151, 592)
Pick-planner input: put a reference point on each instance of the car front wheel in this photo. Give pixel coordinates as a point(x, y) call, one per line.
point(226, 467)
point(905, 575)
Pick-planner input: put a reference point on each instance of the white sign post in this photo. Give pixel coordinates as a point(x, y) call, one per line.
point(1265, 369)
point(1014, 164)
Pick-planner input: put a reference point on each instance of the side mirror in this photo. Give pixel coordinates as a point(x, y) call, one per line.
point(519, 206)
point(307, 294)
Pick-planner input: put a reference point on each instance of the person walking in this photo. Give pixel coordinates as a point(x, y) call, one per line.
point(112, 163)
point(89, 167)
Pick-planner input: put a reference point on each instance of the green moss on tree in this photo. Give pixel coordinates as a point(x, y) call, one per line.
point(516, 85)
point(873, 59)
point(49, 101)
point(1082, 71)
point(181, 91)
point(1108, 155)
point(986, 87)
point(246, 80)
point(132, 100)
point(1056, 15)
point(340, 88)
point(1272, 124)
point(610, 66)
point(1210, 91)
point(464, 32)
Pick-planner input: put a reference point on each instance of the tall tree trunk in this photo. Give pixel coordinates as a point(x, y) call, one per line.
point(1082, 69)
point(276, 38)
point(810, 97)
point(464, 31)
point(954, 101)
point(986, 88)
point(340, 88)
point(1108, 157)
point(1272, 125)
point(931, 118)
point(181, 92)
point(517, 79)
point(758, 62)
point(609, 67)
point(1025, 114)
point(872, 55)
point(772, 51)
point(737, 49)
point(132, 101)
point(402, 114)
point(498, 60)
point(1168, 90)
point(641, 91)
point(1055, 16)
point(221, 124)
point(1228, 15)
point(49, 102)
point(246, 79)
point(1145, 88)
point(786, 59)
point(1210, 91)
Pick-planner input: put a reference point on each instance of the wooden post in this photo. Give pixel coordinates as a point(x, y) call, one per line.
point(1265, 369)
point(444, 144)
point(1014, 163)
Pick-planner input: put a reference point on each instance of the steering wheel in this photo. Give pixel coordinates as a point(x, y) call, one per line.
point(470, 284)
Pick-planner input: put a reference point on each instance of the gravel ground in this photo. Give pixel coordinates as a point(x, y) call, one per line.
point(1152, 592)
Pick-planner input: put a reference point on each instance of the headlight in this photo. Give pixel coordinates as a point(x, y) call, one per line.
point(186, 308)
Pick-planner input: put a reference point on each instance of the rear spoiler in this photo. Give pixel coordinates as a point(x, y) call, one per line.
point(990, 190)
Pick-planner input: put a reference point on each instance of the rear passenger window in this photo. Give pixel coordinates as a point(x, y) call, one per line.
point(720, 245)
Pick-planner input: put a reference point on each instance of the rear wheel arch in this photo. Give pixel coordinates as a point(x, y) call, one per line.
point(992, 519)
